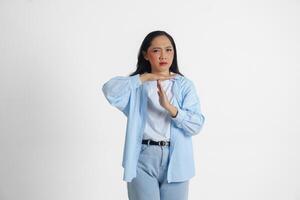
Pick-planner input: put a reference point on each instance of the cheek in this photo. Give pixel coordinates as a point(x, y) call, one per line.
point(153, 57)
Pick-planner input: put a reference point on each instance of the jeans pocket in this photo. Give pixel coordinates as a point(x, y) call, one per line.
point(144, 147)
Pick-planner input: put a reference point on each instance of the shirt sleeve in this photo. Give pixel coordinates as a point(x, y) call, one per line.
point(118, 89)
point(189, 117)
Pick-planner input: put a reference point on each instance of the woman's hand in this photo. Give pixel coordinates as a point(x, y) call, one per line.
point(163, 100)
point(152, 77)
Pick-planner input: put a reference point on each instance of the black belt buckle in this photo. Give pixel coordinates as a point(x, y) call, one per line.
point(162, 143)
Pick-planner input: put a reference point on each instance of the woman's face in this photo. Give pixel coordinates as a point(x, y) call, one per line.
point(160, 54)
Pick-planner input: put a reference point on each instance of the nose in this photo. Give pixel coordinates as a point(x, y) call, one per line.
point(162, 55)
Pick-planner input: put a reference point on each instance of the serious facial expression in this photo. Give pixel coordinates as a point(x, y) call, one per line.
point(160, 54)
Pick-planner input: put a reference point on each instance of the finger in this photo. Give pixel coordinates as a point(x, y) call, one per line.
point(160, 88)
point(164, 76)
point(159, 85)
point(167, 77)
point(159, 91)
point(158, 82)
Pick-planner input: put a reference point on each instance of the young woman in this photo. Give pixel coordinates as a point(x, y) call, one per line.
point(163, 113)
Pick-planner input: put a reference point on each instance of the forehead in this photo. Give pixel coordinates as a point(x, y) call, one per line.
point(161, 41)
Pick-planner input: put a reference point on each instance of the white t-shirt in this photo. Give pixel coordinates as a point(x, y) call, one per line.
point(157, 125)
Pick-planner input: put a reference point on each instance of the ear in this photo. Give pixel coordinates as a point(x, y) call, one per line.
point(145, 55)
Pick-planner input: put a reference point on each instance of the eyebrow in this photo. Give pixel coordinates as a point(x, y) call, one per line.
point(160, 47)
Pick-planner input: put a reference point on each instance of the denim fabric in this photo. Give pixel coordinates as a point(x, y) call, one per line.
point(151, 182)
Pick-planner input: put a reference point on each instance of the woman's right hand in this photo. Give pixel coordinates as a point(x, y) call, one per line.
point(151, 77)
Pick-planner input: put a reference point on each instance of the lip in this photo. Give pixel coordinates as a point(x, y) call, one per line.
point(163, 63)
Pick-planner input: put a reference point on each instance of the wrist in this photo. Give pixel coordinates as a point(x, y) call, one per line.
point(172, 110)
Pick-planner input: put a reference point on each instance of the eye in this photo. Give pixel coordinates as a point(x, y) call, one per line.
point(169, 49)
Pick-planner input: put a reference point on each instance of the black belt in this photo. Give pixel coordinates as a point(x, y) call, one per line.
point(160, 143)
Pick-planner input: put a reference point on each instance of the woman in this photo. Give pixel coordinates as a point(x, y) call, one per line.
point(163, 113)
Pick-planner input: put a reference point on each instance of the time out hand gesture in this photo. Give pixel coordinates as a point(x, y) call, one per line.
point(163, 100)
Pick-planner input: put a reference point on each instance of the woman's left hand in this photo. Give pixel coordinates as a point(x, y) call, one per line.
point(163, 99)
point(164, 102)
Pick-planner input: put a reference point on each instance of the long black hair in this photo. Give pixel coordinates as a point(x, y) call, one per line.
point(144, 65)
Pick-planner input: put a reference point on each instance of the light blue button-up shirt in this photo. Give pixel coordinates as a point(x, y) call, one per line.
point(128, 94)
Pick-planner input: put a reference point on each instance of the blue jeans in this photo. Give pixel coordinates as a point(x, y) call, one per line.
point(151, 180)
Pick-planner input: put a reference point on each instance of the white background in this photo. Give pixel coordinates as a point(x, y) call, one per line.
point(61, 140)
